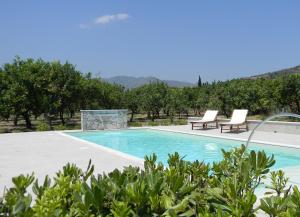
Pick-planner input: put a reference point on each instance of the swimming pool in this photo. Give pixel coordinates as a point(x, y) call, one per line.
point(141, 142)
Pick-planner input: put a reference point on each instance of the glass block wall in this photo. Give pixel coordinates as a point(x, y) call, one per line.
point(103, 119)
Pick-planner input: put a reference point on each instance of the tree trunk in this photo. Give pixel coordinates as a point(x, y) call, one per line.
point(16, 120)
point(27, 120)
point(172, 117)
point(48, 118)
point(61, 116)
point(131, 118)
point(298, 107)
point(223, 109)
point(153, 116)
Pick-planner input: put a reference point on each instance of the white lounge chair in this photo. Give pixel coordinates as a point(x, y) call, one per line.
point(238, 119)
point(210, 116)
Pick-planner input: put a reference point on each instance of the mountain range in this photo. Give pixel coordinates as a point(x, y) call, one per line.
point(131, 82)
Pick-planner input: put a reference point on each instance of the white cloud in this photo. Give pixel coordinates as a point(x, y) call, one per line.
point(105, 19)
point(84, 26)
point(122, 16)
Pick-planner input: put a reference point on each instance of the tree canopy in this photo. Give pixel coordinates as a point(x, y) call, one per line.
point(31, 88)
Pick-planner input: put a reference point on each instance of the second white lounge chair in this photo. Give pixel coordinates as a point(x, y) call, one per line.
point(210, 116)
point(238, 119)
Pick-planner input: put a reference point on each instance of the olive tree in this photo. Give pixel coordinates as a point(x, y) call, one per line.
point(133, 101)
point(152, 98)
point(24, 81)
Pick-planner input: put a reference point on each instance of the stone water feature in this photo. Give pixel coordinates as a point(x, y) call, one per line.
point(103, 119)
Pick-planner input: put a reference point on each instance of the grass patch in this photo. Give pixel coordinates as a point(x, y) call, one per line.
point(42, 126)
point(135, 124)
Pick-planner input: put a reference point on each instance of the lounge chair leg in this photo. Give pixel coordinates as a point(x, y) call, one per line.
point(192, 126)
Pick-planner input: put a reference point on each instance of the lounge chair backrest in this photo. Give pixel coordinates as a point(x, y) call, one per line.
point(239, 115)
point(210, 115)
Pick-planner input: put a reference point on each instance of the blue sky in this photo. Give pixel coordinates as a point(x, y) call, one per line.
point(168, 39)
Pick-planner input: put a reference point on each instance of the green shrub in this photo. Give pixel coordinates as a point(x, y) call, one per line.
point(165, 122)
point(180, 122)
point(153, 123)
point(60, 127)
point(135, 124)
point(183, 122)
point(42, 127)
point(5, 130)
point(184, 188)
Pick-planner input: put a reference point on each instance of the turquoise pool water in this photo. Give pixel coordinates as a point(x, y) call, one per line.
point(143, 142)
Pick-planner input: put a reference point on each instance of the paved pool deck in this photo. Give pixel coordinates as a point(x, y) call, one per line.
point(47, 152)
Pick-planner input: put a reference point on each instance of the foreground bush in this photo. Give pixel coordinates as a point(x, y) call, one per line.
point(181, 189)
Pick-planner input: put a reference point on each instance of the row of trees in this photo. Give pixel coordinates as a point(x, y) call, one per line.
point(31, 88)
point(259, 96)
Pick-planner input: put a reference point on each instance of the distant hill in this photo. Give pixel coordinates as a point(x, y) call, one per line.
point(131, 82)
point(292, 70)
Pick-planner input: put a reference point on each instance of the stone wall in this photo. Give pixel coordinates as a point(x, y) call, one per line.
point(277, 126)
point(103, 119)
